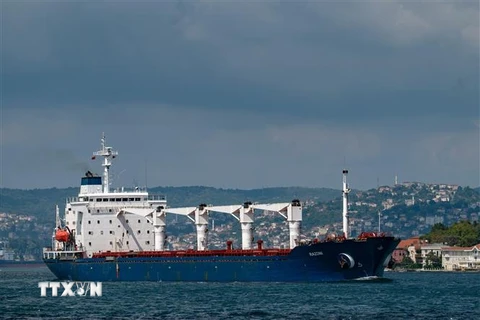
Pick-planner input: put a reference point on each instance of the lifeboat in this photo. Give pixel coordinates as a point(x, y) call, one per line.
point(62, 235)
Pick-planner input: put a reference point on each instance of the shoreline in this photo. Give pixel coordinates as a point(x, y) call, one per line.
point(432, 270)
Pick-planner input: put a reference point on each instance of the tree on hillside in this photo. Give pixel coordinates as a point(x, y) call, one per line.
point(437, 234)
point(439, 227)
point(462, 234)
point(465, 232)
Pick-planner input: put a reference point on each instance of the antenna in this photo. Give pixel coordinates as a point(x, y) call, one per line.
point(107, 153)
point(146, 180)
point(346, 191)
point(379, 216)
point(57, 217)
point(117, 176)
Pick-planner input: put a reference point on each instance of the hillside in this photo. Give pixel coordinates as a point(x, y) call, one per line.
point(406, 210)
point(27, 216)
point(40, 203)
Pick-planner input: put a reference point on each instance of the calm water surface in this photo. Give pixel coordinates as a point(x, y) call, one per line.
point(419, 295)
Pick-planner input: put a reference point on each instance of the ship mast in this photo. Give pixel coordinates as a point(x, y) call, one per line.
point(57, 217)
point(107, 153)
point(346, 191)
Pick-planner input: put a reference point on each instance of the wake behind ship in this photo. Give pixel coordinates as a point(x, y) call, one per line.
point(118, 235)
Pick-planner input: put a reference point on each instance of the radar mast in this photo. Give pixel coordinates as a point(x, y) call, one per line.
point(108, 154)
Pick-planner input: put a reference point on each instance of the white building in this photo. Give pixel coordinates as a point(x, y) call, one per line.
point(461, 258)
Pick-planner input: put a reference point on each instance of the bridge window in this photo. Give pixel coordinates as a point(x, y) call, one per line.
point(112, 199)
point(130, 199)
point(118, 199)
point(125, 199)
point(105, 200)
point(98, 200)
point(137, 199)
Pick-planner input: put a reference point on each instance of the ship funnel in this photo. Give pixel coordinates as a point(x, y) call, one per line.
point(296, 203)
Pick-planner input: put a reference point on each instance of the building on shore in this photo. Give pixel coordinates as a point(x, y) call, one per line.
point(408, 248)
point(461, 258)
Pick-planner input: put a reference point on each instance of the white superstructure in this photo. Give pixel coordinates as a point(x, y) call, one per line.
point(111, 220)
point(101, 220)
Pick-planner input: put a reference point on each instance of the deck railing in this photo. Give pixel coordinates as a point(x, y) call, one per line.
point(126, 197)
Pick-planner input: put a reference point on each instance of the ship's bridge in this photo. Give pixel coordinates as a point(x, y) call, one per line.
point(91, 183)
point(120, 198)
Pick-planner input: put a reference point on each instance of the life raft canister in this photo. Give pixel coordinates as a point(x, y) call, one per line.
point(62, 235)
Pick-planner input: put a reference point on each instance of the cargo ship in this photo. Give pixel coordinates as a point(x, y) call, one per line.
point(119, 235)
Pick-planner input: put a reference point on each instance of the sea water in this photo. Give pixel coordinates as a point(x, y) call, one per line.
point(406, 295)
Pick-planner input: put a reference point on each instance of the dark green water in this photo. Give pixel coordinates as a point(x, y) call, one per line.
point(406, 295)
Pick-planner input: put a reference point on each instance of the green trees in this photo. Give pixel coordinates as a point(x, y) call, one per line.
point(462, 234)
point(407, 263)
point(432, 261)
point(466, 194)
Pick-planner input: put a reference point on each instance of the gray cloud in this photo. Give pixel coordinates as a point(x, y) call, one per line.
point(227, 150)
point(245, 55)
point(266, 88)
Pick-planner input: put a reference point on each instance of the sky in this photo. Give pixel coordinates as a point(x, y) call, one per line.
point(235, 94)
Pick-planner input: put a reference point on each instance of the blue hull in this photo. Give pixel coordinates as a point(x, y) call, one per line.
point(325, 261)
